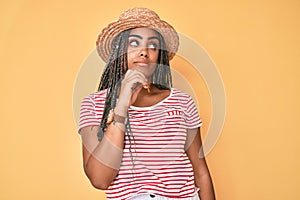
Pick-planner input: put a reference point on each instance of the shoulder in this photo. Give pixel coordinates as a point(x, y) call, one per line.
point(183, 98)
point(180, 94)
point(96, 96)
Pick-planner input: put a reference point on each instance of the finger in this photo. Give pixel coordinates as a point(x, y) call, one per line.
point(129, 71)
point(134, 79)
point(134, 83)
point(134, 72)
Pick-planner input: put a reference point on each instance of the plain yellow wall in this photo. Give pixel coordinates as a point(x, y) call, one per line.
point(255, 44)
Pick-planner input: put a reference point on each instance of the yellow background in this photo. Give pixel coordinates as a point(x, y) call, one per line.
point(255, 44)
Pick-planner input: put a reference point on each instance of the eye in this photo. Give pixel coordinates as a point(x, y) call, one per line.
point(133, 43)
point(153, 46)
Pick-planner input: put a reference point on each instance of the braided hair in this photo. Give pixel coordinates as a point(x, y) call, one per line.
point(115, 70)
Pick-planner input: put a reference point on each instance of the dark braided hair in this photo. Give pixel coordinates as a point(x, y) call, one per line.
point(115, 70)
point(162, 77)
point(112, 76)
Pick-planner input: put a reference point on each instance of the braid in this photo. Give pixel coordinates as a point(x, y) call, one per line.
point(162, 77)
point(112, 77)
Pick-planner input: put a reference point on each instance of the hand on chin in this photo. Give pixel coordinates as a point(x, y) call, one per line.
point(146, 69)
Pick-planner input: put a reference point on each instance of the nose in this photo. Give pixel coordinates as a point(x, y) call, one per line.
point(144, 52)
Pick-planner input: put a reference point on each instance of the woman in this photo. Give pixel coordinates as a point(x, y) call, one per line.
point(141, 137)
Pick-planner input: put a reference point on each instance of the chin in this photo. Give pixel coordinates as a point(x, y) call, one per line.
point(147, 70)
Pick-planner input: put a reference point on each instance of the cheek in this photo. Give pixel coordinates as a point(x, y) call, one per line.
point(129, 55)
point(154, 57)
point(129, 60)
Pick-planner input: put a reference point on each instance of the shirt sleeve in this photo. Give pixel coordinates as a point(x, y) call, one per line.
point(87, 113)
point(192, 116)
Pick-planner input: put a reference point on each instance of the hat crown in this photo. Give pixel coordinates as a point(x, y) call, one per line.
point(138, 13)
point(134, 18)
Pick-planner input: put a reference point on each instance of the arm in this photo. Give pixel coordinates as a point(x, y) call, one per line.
point(196, 156)
point(102, 160)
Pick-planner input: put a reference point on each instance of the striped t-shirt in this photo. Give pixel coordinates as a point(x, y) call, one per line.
point(161, 165)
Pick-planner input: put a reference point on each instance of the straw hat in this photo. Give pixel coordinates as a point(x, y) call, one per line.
point(136, 18)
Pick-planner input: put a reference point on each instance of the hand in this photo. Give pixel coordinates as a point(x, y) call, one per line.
point(133, 82)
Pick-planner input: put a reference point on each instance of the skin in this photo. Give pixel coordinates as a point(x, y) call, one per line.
point(143, 50)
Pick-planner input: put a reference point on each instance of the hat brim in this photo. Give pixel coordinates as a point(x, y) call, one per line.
point(106, 37)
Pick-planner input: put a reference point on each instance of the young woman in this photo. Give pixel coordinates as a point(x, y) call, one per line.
point(141, 137)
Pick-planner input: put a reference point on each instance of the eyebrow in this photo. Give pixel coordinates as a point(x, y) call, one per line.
point(140, 37)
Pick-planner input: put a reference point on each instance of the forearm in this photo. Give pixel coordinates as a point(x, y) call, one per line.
point(205, 184)
point(102, 159)
point(201, 173)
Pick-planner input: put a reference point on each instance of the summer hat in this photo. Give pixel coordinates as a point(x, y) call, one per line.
point(137, 18)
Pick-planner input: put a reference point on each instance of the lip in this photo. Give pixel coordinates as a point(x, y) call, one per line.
point(141, 63)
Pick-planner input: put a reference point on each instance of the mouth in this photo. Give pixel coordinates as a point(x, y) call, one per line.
point(141, 63)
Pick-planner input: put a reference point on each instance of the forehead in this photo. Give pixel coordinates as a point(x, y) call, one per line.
point(144, 32)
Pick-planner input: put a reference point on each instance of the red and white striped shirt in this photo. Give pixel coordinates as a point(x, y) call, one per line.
point(161, 165)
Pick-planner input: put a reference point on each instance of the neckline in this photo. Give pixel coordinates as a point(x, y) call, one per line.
point(155, 105)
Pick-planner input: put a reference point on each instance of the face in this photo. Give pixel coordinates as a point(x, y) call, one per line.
point(143, 50)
